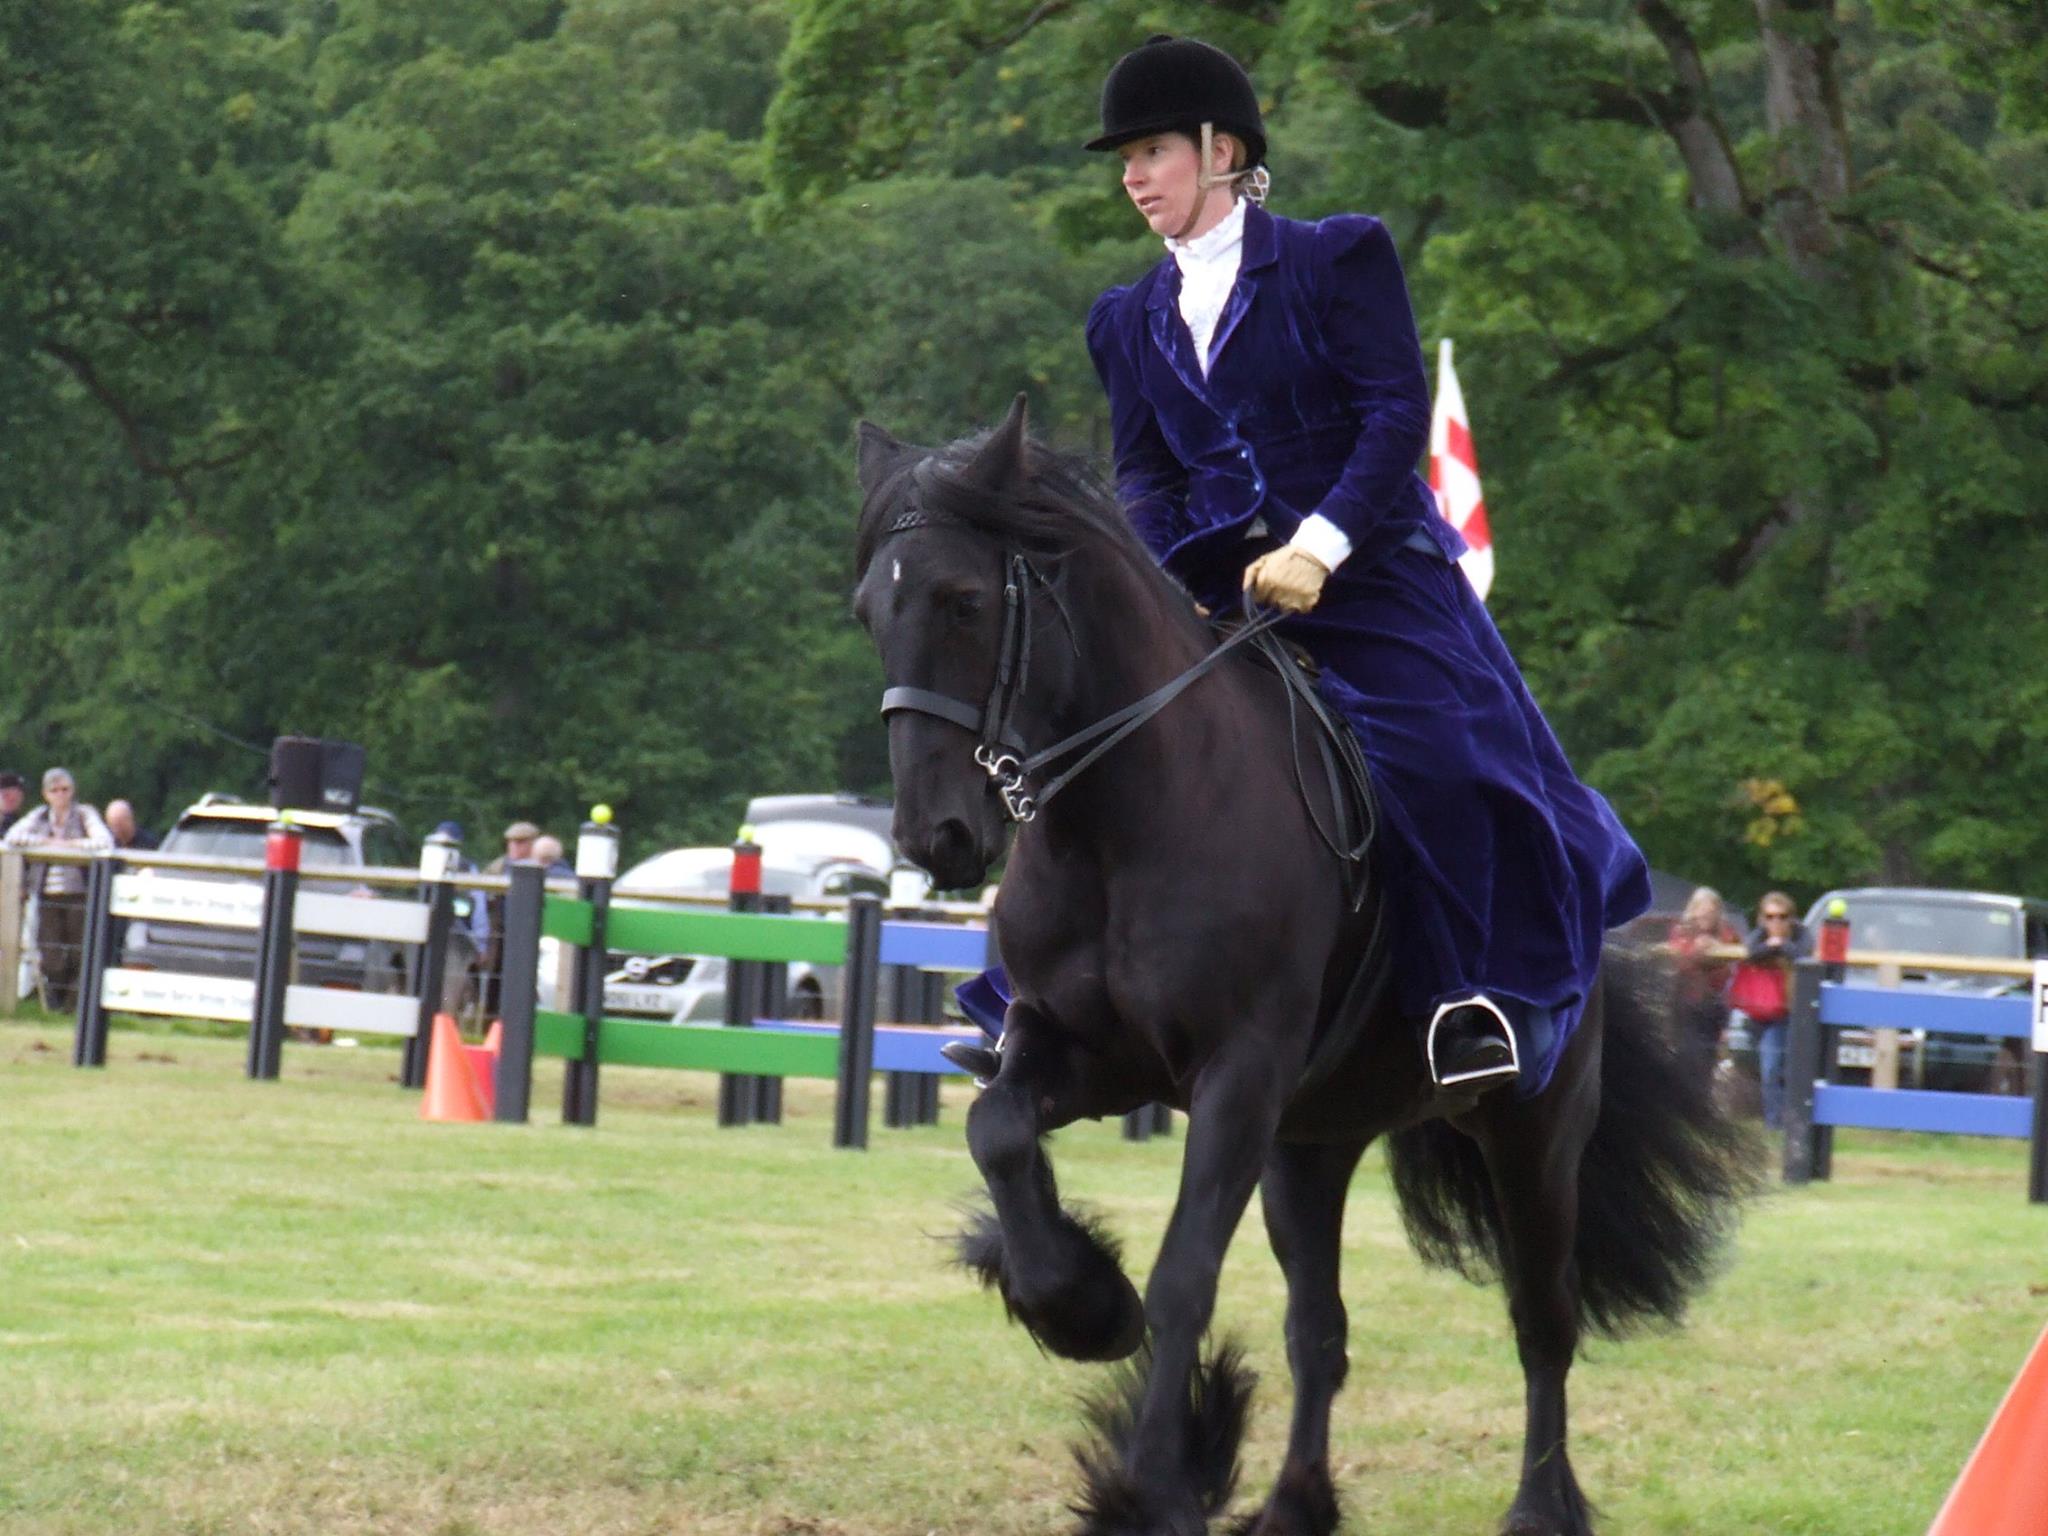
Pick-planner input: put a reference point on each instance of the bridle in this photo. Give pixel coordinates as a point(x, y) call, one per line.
point(1001, 751)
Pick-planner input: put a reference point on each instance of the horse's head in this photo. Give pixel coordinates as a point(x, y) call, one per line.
point(945, 592)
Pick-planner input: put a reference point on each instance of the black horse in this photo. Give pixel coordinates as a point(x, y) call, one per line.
point(1177, 929)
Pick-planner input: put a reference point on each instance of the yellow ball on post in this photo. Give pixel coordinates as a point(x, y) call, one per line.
point(601, 814)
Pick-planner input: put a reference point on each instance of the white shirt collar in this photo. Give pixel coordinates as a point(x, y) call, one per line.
point(1214, 246)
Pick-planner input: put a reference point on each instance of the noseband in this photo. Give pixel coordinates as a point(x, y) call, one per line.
point(1001, 751)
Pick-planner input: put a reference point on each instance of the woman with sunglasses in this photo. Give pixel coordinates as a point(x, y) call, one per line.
point(1761, 991)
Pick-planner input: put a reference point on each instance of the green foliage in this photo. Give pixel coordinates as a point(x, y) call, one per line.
point(477, 381)
point(1766, 494)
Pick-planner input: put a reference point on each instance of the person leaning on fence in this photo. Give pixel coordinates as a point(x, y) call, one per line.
point(128, 835)
point(1761, 991)
point(59, 889)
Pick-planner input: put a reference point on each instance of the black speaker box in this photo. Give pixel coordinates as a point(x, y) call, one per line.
point(309, 774)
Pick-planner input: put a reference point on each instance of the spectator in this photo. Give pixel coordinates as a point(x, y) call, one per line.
point(519, 840)
point(59, 889)
point(12, 792)
point(547, 853)
point(1762, 989)
point(1700, 980)
point(472, 916)
point(127, 835)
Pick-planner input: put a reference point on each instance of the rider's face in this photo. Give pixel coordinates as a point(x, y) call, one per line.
point(1160, 176)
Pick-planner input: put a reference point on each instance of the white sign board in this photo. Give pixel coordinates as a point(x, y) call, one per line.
point(2041, 1005)
point(168, 899)
point(229, 998)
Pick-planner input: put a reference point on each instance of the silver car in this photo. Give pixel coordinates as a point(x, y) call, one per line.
point(691, 988)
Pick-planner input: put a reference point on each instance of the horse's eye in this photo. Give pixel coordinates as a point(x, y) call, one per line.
point(965, 606)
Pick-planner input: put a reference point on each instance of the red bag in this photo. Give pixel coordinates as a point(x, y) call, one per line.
point(1759, 991)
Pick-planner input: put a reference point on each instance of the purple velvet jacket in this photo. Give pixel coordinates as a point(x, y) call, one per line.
point(1322, 307)
point(1510, 866)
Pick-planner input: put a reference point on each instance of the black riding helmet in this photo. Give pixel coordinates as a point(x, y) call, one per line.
point(1171, 84)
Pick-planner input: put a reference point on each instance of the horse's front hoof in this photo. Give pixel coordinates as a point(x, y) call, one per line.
point(1074, 1298)
point(1090, 1310)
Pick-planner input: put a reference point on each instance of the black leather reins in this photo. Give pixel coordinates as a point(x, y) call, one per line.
point(1003, 754)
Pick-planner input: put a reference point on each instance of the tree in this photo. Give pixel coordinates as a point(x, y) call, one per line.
point(1744, 297)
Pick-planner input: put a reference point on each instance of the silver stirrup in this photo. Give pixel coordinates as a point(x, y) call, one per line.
point(1477, 1000)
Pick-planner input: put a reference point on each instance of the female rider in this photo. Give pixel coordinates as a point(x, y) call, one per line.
point(1268, 408)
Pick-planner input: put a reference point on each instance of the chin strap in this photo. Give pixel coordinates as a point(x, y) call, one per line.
point(1253, 184)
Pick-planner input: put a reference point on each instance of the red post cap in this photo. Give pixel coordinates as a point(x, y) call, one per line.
point(746, 869)
point(281, 847)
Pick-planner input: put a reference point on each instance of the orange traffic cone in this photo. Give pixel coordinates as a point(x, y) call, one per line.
point(483, 1065)
point(2004, 1487)
point(452, 1091)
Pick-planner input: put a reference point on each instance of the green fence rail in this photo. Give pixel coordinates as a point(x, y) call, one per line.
point(735, 935)
point(690, 1047)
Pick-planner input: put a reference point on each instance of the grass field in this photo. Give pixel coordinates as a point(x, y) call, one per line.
point(290, 1307)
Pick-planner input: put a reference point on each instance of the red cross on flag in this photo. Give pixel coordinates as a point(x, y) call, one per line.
point(1454, 474)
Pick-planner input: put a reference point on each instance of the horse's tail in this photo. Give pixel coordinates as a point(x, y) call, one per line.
point(1660, 1180)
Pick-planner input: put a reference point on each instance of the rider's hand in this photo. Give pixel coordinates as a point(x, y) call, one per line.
point(1290, 579)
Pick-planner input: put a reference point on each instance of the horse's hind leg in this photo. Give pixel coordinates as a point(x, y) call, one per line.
point(1303, 1192)
point(1532, 1151)
point(1058, 1276)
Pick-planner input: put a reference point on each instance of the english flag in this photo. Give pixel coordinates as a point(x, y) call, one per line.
point(1454, 474)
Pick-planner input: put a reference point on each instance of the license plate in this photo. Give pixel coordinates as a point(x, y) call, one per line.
point(638, 1000)
point(1856, 1055)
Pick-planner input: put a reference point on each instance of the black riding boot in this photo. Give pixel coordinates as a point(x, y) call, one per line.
point(1471, 1046)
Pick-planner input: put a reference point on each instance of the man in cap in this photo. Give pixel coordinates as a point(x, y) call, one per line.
point(519, 841)
point(12, 792)
point(59, 889)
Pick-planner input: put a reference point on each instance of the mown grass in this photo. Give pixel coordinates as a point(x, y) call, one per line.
point(292, 1307)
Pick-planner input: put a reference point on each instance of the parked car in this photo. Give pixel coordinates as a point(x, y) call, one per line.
point(691, 988)
point(1954, 924)
point(332, 844)
point(797, 829)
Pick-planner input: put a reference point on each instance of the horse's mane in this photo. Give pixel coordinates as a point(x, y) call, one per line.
point(1062, 508)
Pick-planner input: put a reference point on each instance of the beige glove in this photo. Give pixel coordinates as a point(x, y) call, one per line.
point(1290, 579)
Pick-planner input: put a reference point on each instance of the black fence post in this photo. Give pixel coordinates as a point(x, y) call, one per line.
point(89, 1042)
point(519, 990)
point(770, 1001)
point(281, 849)
point(901, 1097)
point(2037, 1136)
point(430, 960)
point(736, 1091)
point(1803, 1044)
point(597, 861)
point(931, 988)
point(857, 1021)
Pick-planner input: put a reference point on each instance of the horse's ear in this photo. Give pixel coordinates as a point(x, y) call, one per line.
point(1000, 463)
point(878, 450)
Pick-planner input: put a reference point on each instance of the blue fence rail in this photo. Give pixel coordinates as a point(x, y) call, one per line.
point(1816, 1104)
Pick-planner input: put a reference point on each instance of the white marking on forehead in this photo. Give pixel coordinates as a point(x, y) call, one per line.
point(895, 570)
